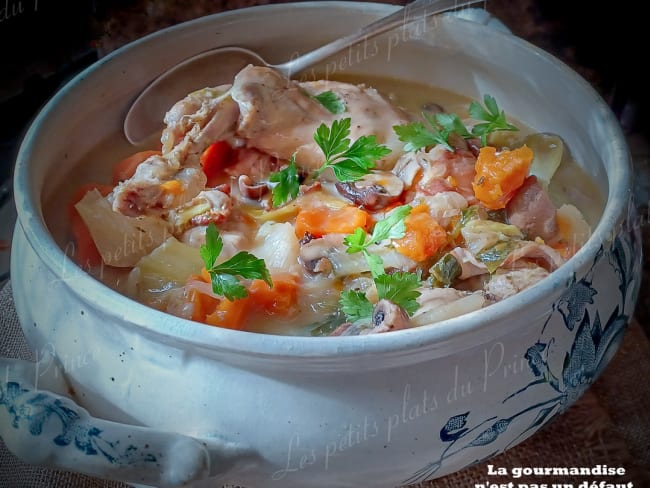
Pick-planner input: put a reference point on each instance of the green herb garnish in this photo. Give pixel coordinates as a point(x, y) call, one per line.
point(331, 101)
point(417, 135)
point(493, 119)
point(392, 227)
point(349, 162)
point(400, 288)
point(288, 183)
point(224, 276)
point(355, 305)
point(438, 128)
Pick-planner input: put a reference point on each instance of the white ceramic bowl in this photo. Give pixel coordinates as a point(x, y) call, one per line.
point(218, 406)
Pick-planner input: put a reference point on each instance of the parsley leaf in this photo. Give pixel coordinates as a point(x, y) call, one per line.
point(355, 305)
point(392, 227)
point(493, 118)
point(288, 183)
point(331, 101)
point(375, 263)
point(348, 162)
point(356, 241)
point(401, 289)
point(224, 275)
point(213, 246)
point(417, 135)
point(452, 123)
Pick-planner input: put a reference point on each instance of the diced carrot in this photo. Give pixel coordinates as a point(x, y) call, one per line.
point(281, 299)
point(85, 250)
point(230, 315)
point(86, 253)
point(498, 176)
point(202, 305)
point(125, 169)
point(262, 300)
point(217, 156)
point(424, 235)
point(319, 221)
point(205, 276)
point(172, 186)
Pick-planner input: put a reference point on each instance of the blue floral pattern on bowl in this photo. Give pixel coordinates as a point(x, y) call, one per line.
point(594, 344)
point(39, 412)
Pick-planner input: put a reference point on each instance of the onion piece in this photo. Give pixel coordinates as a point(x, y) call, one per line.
point(547, 150)
point(166, 267)
point(444, 303)
point(277, 245)
point(122, 241)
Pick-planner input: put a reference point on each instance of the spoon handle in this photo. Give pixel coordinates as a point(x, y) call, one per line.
point(411, 12)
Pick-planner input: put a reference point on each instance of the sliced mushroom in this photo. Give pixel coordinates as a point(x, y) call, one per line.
point(432, 108)
point(251, 190)
point(388, 316)
point(407, 168)
point(318, 266)
point(373, 191)
point(343, 263)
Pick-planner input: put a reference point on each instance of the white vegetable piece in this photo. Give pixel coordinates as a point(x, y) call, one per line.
point(120, 240)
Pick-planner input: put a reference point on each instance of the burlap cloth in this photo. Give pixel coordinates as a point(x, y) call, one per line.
point(609, 425)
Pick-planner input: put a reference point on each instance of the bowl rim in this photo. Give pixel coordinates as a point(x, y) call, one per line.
point(480, 326)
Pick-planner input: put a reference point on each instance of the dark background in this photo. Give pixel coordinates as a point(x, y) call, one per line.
point(45, 42)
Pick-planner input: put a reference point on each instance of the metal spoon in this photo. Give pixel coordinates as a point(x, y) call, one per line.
point(220, 65)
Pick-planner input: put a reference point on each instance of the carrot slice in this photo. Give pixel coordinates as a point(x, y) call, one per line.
point(424, 236)
point(217, 156)
point(280, 299)
point(125, 169)
point(319, 221)
point(498, 176)
point(229, 315)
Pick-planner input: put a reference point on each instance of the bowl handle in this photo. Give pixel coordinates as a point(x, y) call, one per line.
point(42, 425)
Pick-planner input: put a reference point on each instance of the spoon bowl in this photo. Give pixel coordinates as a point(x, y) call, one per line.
point(219, 66)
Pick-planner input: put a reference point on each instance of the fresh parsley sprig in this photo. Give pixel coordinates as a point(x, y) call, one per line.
point(349, 161)
point(355, 305)
point(392, 227)
point(288, 183)
point(400, 288)
point(331, 101)
point(224, 276)
point(493, 119)
point(437, 130)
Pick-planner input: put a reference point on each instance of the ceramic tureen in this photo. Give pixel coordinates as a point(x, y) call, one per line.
point(124, 392)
